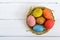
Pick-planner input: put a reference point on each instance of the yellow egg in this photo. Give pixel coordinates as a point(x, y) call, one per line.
point(37, 12)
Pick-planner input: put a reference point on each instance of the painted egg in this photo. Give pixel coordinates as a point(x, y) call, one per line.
point(37, 12)
point(40, 20)
point(31, 21)
point(49, 24)
point(47, 13)
point(38, 28)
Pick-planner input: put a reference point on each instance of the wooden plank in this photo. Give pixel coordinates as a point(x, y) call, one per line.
point(28, 1)
point(19, 28)
point(19, 11)
point(30, 38)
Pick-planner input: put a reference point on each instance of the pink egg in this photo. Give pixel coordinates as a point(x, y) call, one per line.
point(31, 21)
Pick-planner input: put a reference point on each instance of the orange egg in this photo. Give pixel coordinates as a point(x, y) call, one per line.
point(47, 13)
point(40, 20)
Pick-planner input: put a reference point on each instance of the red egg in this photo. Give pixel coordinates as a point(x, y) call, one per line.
point(49, 24)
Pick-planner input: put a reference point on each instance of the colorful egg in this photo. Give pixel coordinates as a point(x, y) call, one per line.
point(40, 20)
point(49, 24)
point(38, 28)
point(31, 21)
point(37, 12)
point(47, 13)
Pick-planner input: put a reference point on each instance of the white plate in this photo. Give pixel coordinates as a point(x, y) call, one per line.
point(13, 15)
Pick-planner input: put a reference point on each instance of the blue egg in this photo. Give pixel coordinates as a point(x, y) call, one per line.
point(38, 28)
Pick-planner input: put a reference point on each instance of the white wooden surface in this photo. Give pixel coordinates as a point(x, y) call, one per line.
point(29, 0)
point(12, 19)
point(29, 38)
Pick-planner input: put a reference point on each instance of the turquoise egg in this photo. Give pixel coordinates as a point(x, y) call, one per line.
point(38, 28)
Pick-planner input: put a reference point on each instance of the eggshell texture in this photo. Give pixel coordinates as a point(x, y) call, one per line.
point(37, 12)
point(40, 20)
point(49, 24)
point(47, 13)
point(38, 28)
point(31, 21)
